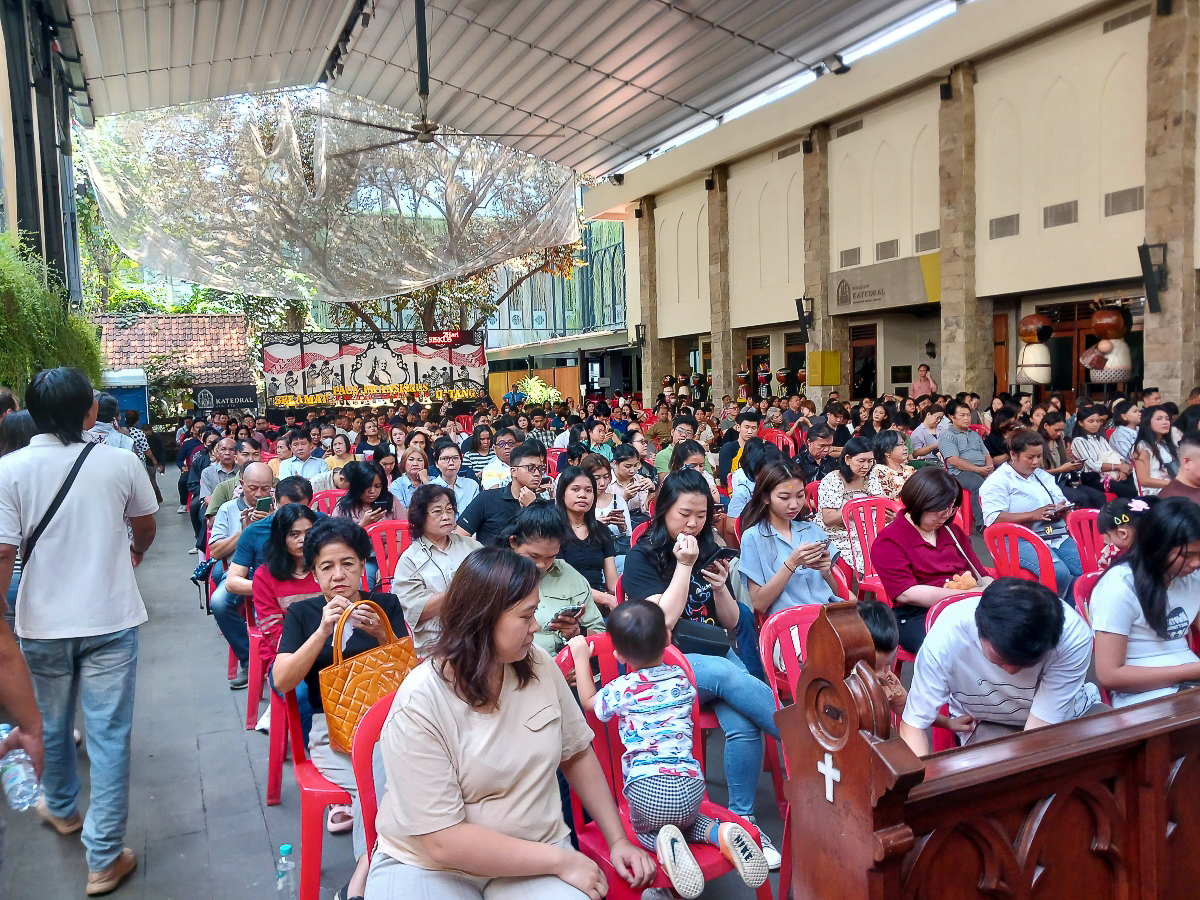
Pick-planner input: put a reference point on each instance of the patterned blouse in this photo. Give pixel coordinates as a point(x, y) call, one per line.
point(884, 481)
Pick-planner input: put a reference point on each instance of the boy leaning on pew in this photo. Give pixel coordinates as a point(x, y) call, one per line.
point(885, 634)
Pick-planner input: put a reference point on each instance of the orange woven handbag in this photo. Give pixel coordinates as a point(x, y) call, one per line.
point(349, 687)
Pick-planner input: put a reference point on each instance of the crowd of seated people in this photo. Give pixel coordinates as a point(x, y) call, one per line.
point(542, 504)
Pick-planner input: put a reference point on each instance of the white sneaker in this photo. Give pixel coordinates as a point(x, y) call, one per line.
point(772, 856)
point(677, 861)
point(739, 848)
point(264, 721)
point(193, 552)
point(658, 894)
point(181, 510)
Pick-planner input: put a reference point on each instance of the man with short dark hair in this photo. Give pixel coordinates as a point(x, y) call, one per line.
point(1013, 659)
point(967, 459)
point(107, 430)
point(814, 459)
point(247, 451)
point(301, 461)
point(78, 607)
point(496, 473)
point(490, 512)
point(792, 413)
point(683, 428)
point(731, 451)
point(1151, 396)
point(836, 417)
point(539, 429)
point(1187, 482)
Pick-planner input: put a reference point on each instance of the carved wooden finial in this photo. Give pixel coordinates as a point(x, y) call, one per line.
point(844, 765)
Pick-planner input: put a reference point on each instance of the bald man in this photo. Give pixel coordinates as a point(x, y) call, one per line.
point(257, 480)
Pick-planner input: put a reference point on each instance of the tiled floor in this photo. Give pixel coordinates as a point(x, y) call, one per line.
point(198, 816)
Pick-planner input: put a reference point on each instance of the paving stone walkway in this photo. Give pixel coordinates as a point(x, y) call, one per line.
point(199, 822)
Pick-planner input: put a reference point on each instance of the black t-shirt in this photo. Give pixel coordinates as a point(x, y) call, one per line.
point(303, 618)
point(642, 579)
point(995, 444)
point(587, 557)
point(841, 435)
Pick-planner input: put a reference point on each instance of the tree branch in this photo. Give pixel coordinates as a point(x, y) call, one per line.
point(362, 316)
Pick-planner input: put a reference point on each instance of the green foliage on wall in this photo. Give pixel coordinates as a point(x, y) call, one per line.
point(37, 330)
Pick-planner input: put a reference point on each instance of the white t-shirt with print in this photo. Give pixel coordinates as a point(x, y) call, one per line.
point(1115, 610)
point(951, 668)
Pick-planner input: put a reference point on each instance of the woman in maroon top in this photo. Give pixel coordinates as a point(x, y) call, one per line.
point(921, 550)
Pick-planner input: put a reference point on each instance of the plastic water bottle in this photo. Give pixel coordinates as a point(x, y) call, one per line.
point(21, 786)
point(285, 874)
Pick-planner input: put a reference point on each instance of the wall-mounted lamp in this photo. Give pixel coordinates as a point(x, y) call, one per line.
point(1154, 273)
point(637, 213)
point(804, 315)
point(709, 183)
point(617, 178)
point(930, 350)
point(946, 89)
point(639, 334)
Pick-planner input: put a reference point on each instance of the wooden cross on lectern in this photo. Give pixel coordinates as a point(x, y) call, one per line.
point(848, 775)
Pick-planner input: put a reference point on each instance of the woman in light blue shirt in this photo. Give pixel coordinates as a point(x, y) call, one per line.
point(785, 561)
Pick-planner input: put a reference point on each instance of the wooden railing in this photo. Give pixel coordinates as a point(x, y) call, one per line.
point(1102, 807)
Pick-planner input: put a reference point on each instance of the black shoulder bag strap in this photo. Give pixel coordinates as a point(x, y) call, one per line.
point(55, 504)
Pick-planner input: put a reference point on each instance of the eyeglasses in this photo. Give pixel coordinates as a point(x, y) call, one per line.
point(533, 470)
point(448, 459)
point(437, 511)
point(506, 443)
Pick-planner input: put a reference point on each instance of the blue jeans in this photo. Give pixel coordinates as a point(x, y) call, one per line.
point(10, 612)
point(747, 644)
point(230, 614)
point(102, 671)
point(1067, 565)
point(745, 708)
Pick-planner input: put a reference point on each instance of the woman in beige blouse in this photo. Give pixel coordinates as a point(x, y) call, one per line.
point(471, 746)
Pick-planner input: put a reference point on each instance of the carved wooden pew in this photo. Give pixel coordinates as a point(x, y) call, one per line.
point(1102, 807)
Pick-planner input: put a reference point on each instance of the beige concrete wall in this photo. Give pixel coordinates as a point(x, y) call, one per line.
point(766, 239)
point(1062, 120)
point(681, 223)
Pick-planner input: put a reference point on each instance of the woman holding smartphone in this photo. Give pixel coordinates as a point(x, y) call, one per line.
point(589, 547)
point(368, 501)
point(611, 508)
point(785, 560)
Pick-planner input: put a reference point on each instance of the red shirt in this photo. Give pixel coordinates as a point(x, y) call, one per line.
point(903, 559)
point(271, 599)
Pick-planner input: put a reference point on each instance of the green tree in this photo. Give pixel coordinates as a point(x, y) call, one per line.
point(37, 328)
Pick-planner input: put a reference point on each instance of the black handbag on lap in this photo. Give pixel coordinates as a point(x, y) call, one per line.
point(691, 636)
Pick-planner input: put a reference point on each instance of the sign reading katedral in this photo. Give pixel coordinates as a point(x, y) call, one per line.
point(886, 285)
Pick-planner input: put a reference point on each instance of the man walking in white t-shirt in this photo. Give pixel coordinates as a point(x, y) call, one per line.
point(78, 609)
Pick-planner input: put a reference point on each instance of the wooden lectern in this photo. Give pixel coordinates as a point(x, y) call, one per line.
point(1102, 807)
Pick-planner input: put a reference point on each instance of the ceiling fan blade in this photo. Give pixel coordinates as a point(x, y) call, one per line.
point(508, 134)
point(371, 148)
point(399, 129)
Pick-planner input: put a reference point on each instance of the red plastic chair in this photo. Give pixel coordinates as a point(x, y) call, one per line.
point(277, 747)
point(737, 528)
point(1003, 540)
point(317, 794)
point(1082, 590)
point(325, 501)
point(1081, 526)
point(965, 517)
point(865, 518)
point(981, 430)
point(256, 670)
point(608, 747)
point(366, 736)
point(619, 591)
point(390, 539)
point(464, 422)
point(943, 738)
point(552, 456)
point(810, 495)
point(638, 532)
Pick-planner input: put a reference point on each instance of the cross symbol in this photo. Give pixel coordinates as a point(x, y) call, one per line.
point(830, 771)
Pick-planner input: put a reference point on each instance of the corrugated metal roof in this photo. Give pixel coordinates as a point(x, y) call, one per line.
point(615, 78)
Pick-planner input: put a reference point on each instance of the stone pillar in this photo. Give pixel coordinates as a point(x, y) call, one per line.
point(827, 332)
point(656, 354)
point(723, 354)
point(966, 344)
point(1172, 357)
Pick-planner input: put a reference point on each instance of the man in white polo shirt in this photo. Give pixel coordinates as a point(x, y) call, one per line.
point(1013, 659)
point(78, 609)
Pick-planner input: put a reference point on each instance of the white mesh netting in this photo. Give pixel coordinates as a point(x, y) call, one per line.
point(274, 195)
